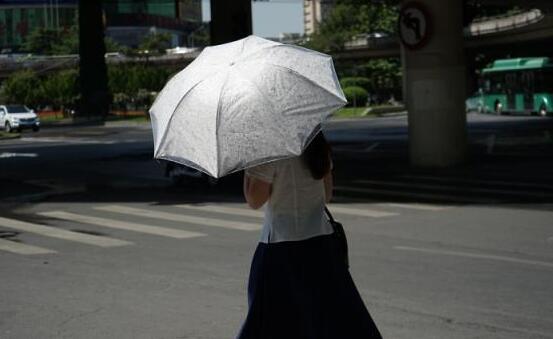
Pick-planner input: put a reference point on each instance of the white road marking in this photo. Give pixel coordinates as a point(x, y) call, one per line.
point(18, 248)
point(16, 155)
point(445, 187)
point(244, 226)
point(223, 210)
point(452, 198)
point(476, 256)
point(62, 234)
point(66, 140)
point(478, 182)
point(123, 225)
point(360, 212)
point(416, 206)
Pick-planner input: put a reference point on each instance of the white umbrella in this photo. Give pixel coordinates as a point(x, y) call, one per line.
point(244, 103)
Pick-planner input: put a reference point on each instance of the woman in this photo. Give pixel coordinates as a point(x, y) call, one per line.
point(298, 286)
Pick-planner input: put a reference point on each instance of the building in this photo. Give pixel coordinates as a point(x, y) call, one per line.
point(20, 17)
point(314, 12)
point(127, 21)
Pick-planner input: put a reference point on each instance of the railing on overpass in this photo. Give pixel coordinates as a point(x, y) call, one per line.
point(504, 23)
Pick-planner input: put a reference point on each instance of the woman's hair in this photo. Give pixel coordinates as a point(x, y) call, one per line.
point(317, 156)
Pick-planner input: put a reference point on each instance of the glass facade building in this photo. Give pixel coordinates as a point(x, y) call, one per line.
point(127, 21)
point(19, 18)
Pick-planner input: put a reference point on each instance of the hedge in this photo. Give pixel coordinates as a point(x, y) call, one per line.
point(356, 96)
point(356, 82)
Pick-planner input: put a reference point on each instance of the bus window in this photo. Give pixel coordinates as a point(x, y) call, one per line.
point(544, 80)
point(527, 80)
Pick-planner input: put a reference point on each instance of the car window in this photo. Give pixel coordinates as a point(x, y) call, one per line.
point(17, 109)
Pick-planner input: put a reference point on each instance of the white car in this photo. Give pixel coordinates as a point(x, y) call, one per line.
point(18, 117)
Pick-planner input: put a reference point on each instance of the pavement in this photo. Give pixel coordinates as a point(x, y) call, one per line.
point(96, 243)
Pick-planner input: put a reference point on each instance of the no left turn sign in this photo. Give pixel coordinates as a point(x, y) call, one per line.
point(414, 25)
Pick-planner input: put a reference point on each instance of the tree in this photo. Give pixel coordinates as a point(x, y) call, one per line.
point(41, 40)
point(351, 17)
point(68, 43)
point(155, 43)
point(21, 88)
point(60, 89)
point(113, 46)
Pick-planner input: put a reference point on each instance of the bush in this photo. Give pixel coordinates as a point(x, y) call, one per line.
point(21, 88)
point(61, 89)
point(357, 82)
point(356, 96)
point(133, 84)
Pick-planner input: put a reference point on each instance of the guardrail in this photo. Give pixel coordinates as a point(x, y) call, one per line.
point(45, 64)
point(504, 23)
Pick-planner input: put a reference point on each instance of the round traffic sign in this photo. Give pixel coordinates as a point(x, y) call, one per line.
point(414, 25)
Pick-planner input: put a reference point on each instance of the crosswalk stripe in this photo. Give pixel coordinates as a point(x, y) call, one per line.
point(497, 182)
point(223, 210)
point(416, 206)
point(426, 196)
point(360, 212)
point(18, 248)
point(259, 214)
point(123, 225)
point(465, 188)
point(244, 226)
point(62, 234)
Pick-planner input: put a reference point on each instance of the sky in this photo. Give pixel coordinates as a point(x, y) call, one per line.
point(271, 18)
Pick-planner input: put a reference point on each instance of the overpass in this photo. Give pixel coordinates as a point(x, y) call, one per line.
point(530, 30)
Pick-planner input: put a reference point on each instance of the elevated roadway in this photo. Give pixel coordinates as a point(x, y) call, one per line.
point(529, 31)
point(532, 29)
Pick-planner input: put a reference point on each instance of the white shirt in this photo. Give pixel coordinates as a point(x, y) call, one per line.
point(295, 209)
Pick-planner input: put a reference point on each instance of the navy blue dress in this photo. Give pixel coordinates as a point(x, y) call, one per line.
point(301, 290)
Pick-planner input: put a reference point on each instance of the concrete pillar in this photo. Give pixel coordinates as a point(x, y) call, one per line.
point(95, 97)
point(230, 20)
point(435, 89)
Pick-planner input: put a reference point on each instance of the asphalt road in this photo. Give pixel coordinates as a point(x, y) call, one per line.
point(96, 243)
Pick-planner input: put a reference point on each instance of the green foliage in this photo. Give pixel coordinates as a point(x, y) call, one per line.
point(21, 88)
point(384, 76)
point(200, 37)
point(40, 41)
point(356, 96)
point(51, 41)
point(356, 81)
point(351, 17)
point(135, 84)
point(68, 42)
point(61, 89)
point(155, 43)
point(112, 46)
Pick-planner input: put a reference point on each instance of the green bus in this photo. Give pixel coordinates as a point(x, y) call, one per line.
point(515, 86)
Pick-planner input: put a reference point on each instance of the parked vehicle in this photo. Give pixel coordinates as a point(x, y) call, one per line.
point(180, 174)
point(17, 118)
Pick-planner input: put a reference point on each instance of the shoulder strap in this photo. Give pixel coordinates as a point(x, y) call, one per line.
point(329, 215)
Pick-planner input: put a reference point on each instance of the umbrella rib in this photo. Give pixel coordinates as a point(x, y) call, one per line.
point(217, 122)
point(306, 79)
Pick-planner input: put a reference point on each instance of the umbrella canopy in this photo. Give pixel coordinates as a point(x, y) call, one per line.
point(244, 103)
